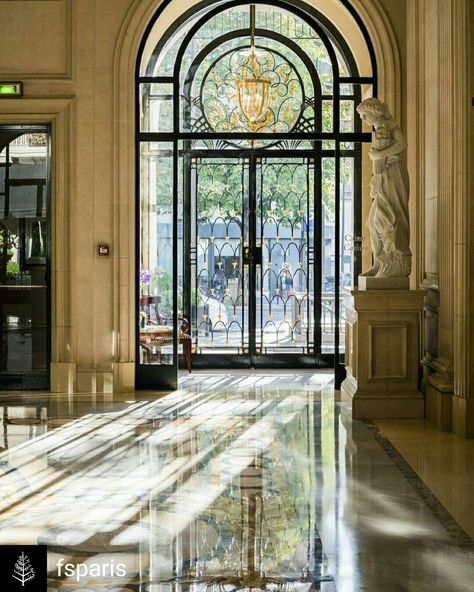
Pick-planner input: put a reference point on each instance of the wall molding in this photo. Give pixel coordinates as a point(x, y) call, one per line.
point(53, 75)
point(60, 113)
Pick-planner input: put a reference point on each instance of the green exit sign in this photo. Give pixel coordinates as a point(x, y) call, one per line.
point(11, 89)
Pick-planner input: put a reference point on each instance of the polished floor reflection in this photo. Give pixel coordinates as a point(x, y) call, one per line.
point(443, 460)
point(234, 482)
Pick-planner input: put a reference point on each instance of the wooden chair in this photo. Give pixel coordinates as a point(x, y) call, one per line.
point(151, 342)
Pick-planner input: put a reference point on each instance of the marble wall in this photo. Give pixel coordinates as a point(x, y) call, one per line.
point(438, 37)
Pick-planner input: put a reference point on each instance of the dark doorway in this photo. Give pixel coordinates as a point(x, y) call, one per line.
point(24, 257)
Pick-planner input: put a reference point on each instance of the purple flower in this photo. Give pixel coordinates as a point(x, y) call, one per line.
point(145, 276)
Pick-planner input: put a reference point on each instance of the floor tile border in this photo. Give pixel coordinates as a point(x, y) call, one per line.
point(459, 536)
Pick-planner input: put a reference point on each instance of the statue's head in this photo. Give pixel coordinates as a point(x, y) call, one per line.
point(373, 111)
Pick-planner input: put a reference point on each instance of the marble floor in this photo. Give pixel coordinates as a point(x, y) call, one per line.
point(236, 481)
point(443, 461)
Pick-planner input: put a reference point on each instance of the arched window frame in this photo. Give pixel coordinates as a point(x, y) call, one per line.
point(326, 31)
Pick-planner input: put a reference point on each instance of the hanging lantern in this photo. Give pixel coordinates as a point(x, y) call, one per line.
point(253, 98)
point(253, 91)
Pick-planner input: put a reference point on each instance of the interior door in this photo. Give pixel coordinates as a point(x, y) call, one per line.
point(25, 326)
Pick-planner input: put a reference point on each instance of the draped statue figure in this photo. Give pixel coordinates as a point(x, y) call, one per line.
point(389, 188)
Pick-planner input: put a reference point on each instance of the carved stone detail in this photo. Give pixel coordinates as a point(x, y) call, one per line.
point(389, 188)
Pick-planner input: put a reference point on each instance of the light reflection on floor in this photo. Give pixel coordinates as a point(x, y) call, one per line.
point(235, 481)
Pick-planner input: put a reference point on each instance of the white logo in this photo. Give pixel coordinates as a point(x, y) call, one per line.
point(23, 570)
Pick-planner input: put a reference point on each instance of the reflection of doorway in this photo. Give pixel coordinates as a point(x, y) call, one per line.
point(250, 281)
point(24, 257)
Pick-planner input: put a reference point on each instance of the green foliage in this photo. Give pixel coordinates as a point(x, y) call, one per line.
point(162, 285)
point(13, 268)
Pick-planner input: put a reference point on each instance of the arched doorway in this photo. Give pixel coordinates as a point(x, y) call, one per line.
point(249, 182)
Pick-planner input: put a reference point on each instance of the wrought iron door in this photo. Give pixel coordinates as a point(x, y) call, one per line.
point(251, 273)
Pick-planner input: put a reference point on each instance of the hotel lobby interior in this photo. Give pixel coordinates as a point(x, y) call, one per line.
point(235, 284)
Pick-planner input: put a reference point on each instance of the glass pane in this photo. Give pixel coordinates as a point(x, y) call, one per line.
point(328, 254)
point(285, 296)
point(351, 244)
point(23, 252)
point(346, 118)
point(156, 107)
point(156, 253)
point(219, 278)
point(327, 123)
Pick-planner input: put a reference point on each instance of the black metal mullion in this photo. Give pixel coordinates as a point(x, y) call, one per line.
point(337, 270)
point(6, 204)
point(308, 251)
point(242, 246)
point(357, 189)
point(155, 80)
point(187, 246)
point(318, 249)
point(252, 319)
point(175, 258)
point(195, 246)
point(310, 136)
point(262, 234)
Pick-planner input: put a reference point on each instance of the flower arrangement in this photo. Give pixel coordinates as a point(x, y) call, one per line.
point(145, 277)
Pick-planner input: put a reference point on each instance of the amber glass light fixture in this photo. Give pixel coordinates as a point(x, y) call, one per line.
point(253, 90)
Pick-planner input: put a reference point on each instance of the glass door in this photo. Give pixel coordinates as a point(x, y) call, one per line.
point(285, 328)
point(24, 257)
point(159, 304)
point(218, 274)
point(251, 274)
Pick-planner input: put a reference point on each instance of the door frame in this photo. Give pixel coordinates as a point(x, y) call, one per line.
point(252, 359)
point(37, 380)
point(337, 135)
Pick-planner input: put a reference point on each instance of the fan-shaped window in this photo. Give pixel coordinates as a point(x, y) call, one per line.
point(249, 173)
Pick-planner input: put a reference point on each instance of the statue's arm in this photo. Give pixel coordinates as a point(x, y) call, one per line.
point(398, 145)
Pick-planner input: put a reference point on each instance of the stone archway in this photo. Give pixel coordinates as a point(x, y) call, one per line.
point(132, 32)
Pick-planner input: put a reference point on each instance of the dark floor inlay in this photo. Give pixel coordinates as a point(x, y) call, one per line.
point(455, 530)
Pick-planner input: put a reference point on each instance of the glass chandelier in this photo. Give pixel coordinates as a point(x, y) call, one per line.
point(253, 90)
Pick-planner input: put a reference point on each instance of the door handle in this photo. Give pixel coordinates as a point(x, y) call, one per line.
point(247, 256)
point(253, 255)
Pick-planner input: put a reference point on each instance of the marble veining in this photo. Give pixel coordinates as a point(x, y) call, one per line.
point(242, 481)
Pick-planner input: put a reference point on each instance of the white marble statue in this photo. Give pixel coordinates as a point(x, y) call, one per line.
point(389, 187)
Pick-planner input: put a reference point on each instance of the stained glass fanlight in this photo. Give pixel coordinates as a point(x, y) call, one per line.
point(253, 89)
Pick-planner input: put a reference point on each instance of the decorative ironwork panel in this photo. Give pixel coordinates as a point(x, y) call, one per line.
point(285, 236)
point(219, 299)
point(219, 93)
point(238, 88)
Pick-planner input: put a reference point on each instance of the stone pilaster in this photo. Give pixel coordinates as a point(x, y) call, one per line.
point(440, 383)
point(460, 36)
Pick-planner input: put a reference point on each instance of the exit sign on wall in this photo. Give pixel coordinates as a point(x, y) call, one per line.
point(11, 89)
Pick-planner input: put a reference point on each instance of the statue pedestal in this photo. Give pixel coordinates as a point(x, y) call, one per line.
point(383, 329)
point(383, 283)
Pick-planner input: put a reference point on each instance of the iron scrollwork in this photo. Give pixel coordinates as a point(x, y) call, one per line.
point(215, 106)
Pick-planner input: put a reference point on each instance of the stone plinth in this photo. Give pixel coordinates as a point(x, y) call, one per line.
point(384, 283)
point(383, 329)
